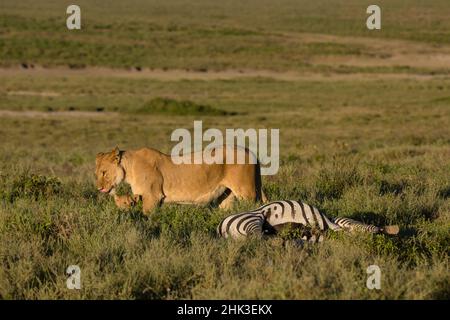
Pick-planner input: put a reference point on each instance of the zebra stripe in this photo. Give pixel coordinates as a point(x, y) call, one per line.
point(291, 208)
point(300, 216)
point(353, 225)
point(285, 212)
point(319, 219)
point(241, 225)
point(301, 213)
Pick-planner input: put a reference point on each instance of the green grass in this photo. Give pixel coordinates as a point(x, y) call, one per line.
point(175, 254)
point(130, 95)
point(348, 153)
point(202, 36)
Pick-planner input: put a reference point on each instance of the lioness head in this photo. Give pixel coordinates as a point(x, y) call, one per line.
point(108, 171)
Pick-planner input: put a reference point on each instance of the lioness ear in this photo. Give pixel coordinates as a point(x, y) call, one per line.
point(116, 153)
point(100, 154)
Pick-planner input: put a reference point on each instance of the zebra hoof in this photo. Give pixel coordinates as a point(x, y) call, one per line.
point(296, 243)
point(394, 229)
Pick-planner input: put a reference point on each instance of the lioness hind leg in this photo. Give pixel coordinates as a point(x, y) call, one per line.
point(246, 189)
point(264, 198)
point(245, 193)
point(227, 202)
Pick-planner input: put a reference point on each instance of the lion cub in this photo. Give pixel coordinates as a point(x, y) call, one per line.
point(125, 201)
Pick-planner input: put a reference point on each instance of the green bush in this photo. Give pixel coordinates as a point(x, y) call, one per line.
point(182, 107)
point(332, 180)
point(123, 189)
point(31, 186)
point(180, 221)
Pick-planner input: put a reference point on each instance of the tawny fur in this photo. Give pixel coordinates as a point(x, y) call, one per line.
point(156, 179)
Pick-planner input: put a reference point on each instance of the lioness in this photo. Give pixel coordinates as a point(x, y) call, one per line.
point(155, 178)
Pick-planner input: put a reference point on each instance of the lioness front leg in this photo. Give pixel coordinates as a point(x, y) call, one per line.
point(150, 202)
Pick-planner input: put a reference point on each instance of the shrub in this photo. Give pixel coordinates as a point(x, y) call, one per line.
point(332, 181)
point(31, 186)
point(123, 189)
point(183, 107)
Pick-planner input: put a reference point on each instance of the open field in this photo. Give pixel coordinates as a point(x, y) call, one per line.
point(364, 121)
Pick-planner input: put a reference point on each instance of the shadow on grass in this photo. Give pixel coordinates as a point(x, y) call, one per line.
point(180, 107)
point(444, 192)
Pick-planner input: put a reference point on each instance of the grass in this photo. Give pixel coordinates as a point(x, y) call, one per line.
point(120, 255)
point(368, 142)
point(171, 35)
point(375, 169)
point(264, 94)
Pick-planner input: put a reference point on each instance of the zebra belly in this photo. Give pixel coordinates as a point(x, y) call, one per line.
point(241, 225)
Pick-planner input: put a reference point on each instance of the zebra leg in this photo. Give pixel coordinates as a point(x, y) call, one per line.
point(353, 225)
point(305, 240)
point(299, 243)
point(313, 237)
point(305, 234)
